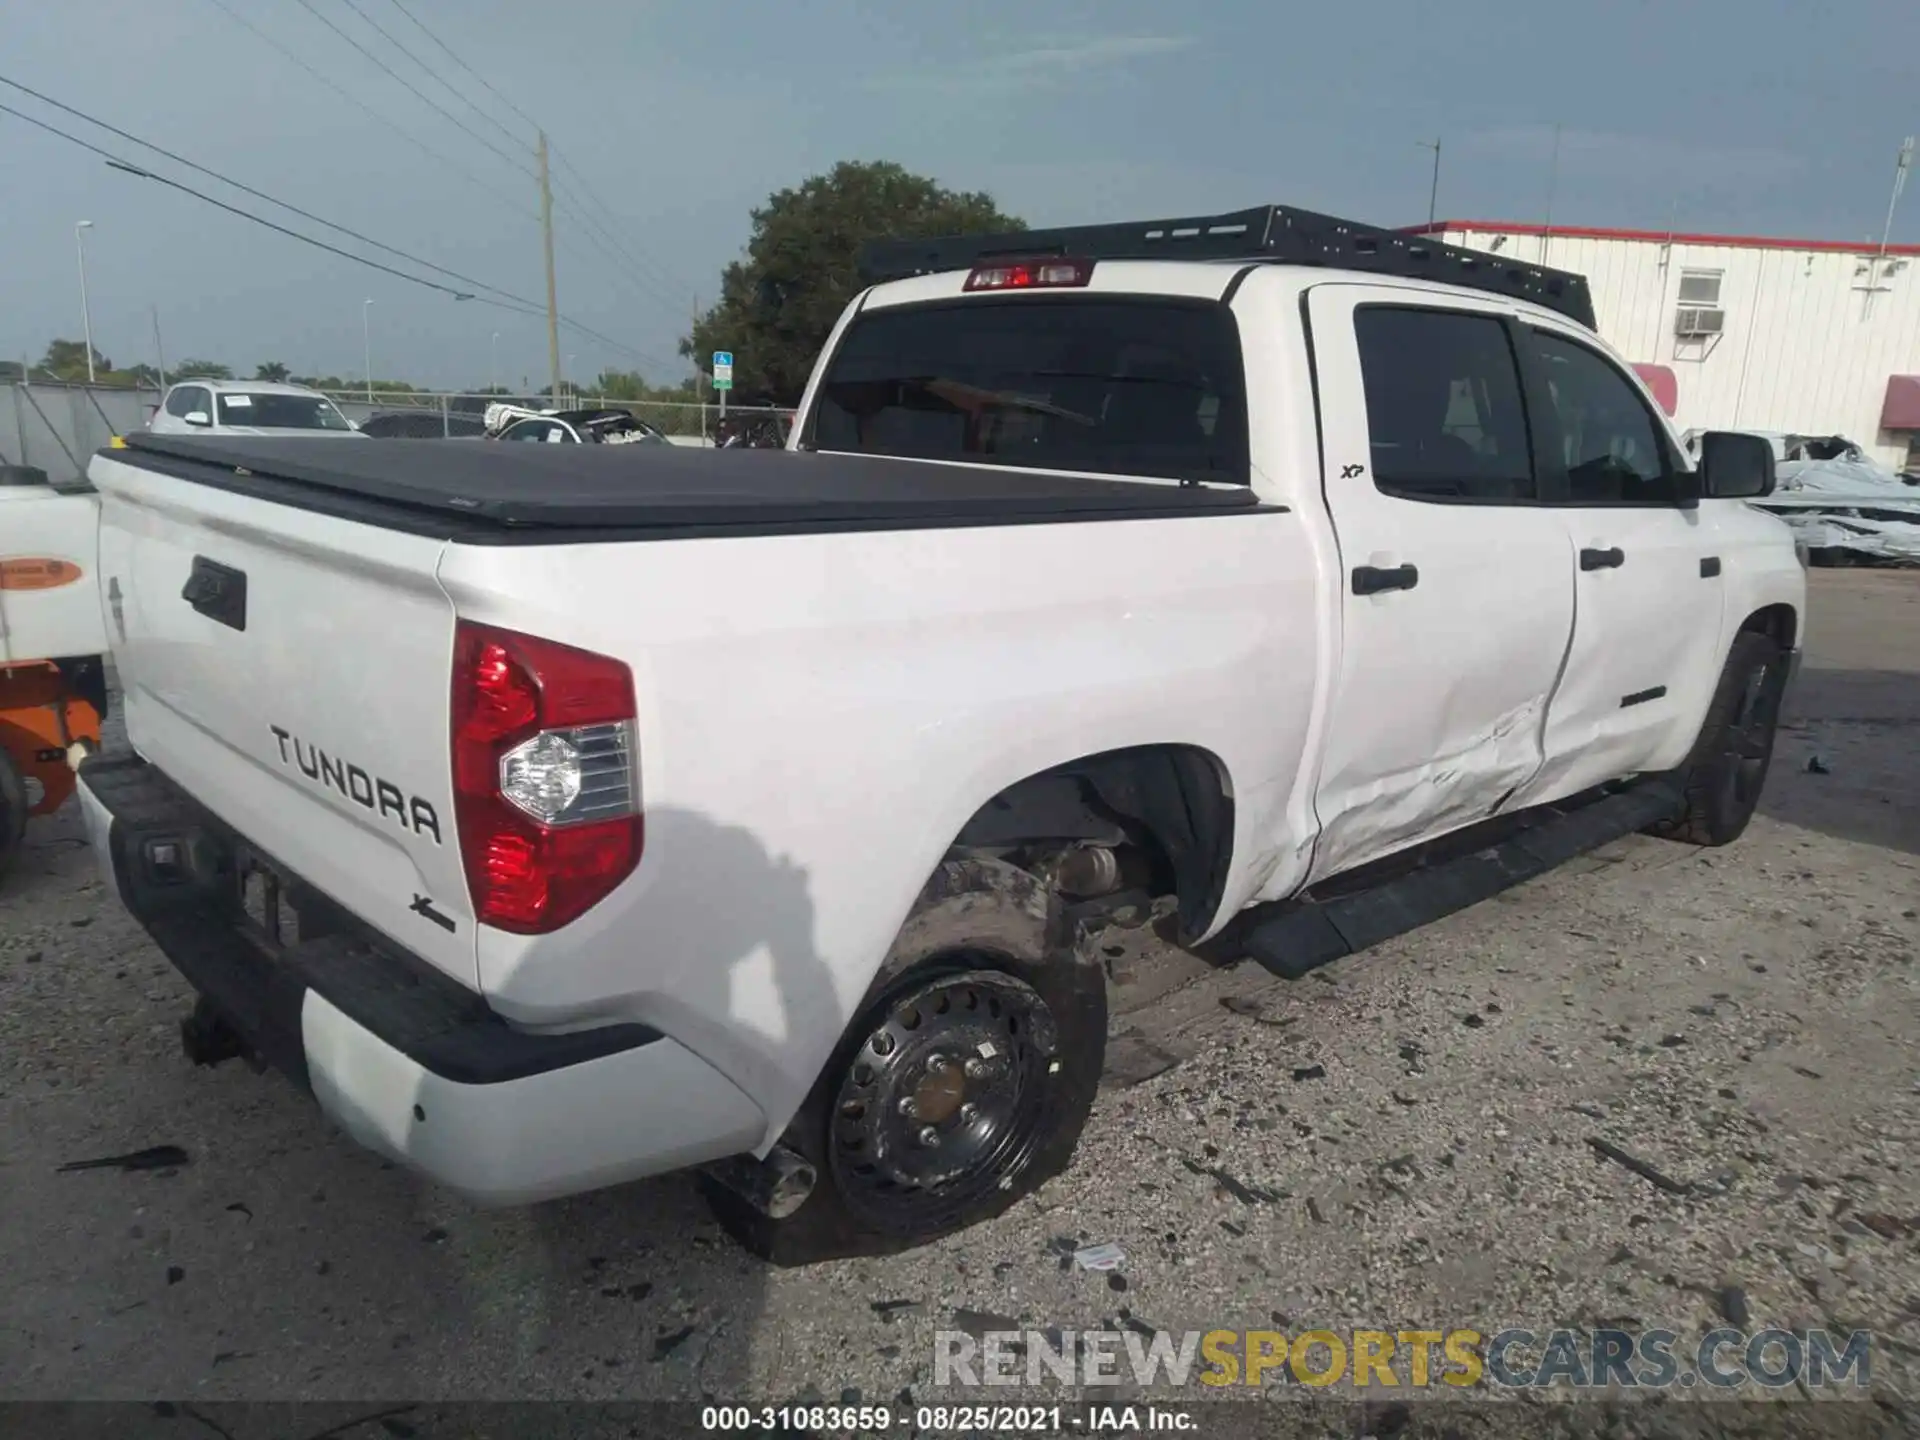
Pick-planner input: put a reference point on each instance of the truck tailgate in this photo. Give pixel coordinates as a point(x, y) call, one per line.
point(291, 670)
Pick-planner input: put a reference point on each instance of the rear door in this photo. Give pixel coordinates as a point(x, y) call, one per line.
point(1648, 588)
point(291, 671)
point(1456, 584)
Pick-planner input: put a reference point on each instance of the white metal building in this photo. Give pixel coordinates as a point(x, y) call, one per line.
point(1810, 337)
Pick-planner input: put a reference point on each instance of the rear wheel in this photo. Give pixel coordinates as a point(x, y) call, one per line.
point(961, 1087)
point(1725, 774)
point(13, 811)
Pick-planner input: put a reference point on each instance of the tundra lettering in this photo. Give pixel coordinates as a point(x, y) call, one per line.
point(370, 791)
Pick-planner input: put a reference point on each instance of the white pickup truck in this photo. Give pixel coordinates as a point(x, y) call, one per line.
point(560, 815)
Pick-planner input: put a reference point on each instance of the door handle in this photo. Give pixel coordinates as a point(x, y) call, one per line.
point(218, 592)
point(1372, 580)
point(1613, 559)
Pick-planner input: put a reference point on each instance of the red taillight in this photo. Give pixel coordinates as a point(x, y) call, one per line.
point(1030, 275)
point(546, 790)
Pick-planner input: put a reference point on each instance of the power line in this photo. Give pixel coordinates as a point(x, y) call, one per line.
point(257, 194)
point(418, 24)
point(355, 100)
point(511, 302)
point(392, 40)
point(635, 258)
point(418, 94)
point(117, 163)
point(623, 265)
point(629, 257)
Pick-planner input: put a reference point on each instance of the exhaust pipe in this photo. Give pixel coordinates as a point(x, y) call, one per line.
point(776, 1186)
point(208, 1039)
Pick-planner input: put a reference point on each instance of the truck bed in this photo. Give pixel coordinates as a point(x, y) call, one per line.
point(480, 492)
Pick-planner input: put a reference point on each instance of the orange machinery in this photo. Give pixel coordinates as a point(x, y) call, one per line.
point(53, 692)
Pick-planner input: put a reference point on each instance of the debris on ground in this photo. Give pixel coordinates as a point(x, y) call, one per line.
point(665, 1345)
point(1817, 766)
point(154, 1157)
point(1639, 1167)
point(1246, 1194)
point(1106, 1256)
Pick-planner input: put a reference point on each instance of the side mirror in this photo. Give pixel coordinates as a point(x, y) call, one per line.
point(197, 417)
point(1734, 466)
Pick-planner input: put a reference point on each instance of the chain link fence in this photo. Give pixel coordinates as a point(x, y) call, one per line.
point(56, 426)
point(461, 413)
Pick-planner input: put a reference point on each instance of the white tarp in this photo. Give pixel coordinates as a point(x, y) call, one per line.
point(1845, 502)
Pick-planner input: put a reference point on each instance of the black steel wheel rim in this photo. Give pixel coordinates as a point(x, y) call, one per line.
point(945, 1101)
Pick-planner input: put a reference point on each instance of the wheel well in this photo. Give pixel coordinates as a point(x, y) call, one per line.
point(1173, 804)
point(1778, 621)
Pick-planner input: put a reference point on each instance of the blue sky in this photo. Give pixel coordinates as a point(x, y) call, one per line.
point(1752, 116)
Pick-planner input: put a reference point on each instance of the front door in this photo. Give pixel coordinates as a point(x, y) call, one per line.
point(1456, 584)
point(1648, 589)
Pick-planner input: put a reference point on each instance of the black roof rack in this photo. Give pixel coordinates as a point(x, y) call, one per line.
point(1275, 234)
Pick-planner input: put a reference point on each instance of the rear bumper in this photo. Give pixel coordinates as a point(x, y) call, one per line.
point(406, 1060)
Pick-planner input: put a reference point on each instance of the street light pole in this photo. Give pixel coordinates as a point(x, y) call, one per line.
point(493, 376)
point(366, 346)
point(86, 314)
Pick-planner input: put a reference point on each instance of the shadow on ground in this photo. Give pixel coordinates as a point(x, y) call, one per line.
point(1848, 758)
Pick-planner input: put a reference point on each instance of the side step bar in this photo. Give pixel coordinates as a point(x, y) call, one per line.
point(1305, 934)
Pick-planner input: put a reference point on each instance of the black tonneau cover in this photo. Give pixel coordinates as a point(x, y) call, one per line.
point(672, 488)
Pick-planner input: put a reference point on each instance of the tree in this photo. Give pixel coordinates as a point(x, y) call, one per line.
point(67, 360)
point(778, 304)
point(202, 370)
point(271, 370)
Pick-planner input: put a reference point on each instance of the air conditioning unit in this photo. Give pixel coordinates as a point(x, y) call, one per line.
point(1698, 322)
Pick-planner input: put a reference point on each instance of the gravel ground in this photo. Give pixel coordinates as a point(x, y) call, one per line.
point(1403, 1140)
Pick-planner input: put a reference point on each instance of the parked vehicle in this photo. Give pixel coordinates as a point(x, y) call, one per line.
point(422, 425)
point(602, 425)
point(53, 692)
point(747, 811)
point(247, 407)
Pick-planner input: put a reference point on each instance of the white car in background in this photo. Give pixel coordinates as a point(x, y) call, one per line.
point(248, 407)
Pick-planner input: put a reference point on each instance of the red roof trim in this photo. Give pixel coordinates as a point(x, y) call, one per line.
point(1660, 237)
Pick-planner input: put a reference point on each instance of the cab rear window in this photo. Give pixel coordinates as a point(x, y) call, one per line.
point(1150, 387)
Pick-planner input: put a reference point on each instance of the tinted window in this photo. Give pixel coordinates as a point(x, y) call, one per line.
point(179, 400)
point(1443, 405)
point(280, 412)
point(528, 430)
point(1148, 387)
point(1613, 451)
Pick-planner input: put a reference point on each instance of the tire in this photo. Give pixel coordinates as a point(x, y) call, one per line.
point(13, 812)
point(961, 1086)
point(1727, 770)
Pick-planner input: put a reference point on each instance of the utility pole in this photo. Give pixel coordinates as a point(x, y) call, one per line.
point(553, 296)
point(80, 228)
point(159, 352)
point(1902, 163)
point(366, 346)
point(1553, 184)
point(1433, 193)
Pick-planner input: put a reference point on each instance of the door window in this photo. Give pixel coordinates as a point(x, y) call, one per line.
point(183, 401)
point(1444, 415)
point(1614, 452)
point(529, 430)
